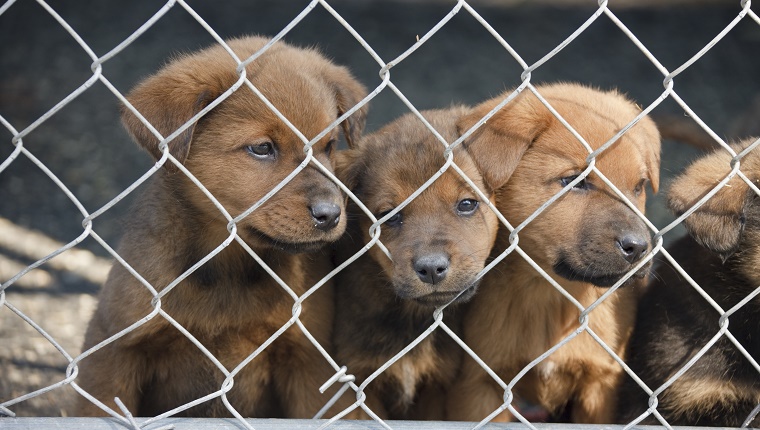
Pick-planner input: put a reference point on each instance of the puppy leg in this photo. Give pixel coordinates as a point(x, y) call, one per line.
point(596, 397)
point(249, 394)
point(430, 404)
point(474, 396)
point(112, 372)
point(298, 378)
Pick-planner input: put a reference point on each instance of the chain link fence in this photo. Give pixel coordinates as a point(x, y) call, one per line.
point(85, 190)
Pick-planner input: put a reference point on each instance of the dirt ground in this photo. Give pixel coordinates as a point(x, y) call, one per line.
point(86, 147)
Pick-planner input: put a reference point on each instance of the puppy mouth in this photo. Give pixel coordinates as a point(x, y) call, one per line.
point(566, 270)
point(440, 298)
point(287, 246)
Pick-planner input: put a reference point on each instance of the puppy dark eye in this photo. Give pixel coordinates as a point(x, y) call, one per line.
point(640, 187)
point(581, 185)
point(261, 150)
point(467, 206)
point(392, 221)
point(329, 147)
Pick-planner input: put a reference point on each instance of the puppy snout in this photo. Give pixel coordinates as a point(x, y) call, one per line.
point(632, 246)
point(326, 215)
point(432, 268)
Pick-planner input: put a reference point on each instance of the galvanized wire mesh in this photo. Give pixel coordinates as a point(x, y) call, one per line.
point(385, 84)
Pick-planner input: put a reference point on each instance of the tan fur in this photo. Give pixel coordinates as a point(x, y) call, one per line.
point(230, 304)
point(384, 304)
point(518, 315)
point(687, 397)
point(719, 223)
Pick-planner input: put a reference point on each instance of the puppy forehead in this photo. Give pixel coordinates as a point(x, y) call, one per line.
point(306, 103)
point(596, 119)
point(597, 124)
point(300, 96)
point(389, 181)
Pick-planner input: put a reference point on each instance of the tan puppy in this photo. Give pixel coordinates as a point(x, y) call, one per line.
point(439, 243)
point(674, 321)
point(239, 151)
point(586, 240)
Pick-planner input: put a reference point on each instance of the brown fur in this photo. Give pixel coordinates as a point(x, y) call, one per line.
point(518, 315)
point(689, 398)
point(675, 321)
point(383, 305)
point(230, 304)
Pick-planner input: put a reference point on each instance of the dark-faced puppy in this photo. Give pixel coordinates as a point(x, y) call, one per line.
point(438, 243)
point(239, 151)
point(586, 240)
point(674, 321)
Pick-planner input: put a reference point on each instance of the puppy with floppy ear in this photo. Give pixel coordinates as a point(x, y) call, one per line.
point(438, 243)
point(239, 151)
point(586, 240)
point(675, 322)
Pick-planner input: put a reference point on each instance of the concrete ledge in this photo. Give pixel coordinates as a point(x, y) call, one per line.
point(283, 424)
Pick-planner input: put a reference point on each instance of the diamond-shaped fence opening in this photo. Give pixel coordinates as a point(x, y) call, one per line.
point(205, 315)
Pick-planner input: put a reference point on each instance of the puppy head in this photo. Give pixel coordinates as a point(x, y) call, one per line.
point(730, 220)
point(441, 240)
point(241, 150)
point(589, 234)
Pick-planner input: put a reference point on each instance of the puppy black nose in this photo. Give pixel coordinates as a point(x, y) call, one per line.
point(432, 268)
point(325, 215)
point(632, 247)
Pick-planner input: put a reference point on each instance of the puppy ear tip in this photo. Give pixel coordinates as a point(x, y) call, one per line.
point(724, 242)
point(723, 250)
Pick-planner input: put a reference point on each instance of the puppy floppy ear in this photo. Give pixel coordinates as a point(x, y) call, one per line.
point(348, 167)
point(499, 144)
point(719, 223)
point(167, 100)
point(348, 93)
point(651, 147)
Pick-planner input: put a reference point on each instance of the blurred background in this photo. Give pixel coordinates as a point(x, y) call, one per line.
point(85, 146)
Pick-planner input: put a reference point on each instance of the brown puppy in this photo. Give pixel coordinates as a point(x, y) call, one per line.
point(674, 321)
point(587, 239)
point(239, 151)
point(439, 243)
